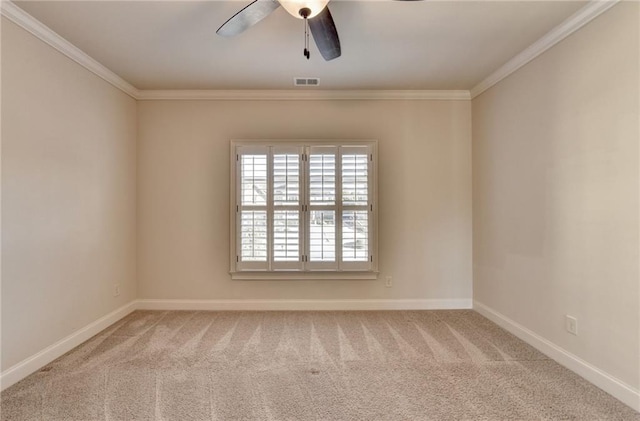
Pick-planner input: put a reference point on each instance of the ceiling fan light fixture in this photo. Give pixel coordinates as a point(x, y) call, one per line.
point(294, 7)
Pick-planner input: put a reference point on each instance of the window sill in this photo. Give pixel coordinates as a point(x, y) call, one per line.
point(295, 275)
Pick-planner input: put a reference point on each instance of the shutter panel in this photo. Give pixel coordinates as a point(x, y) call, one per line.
point(321, 224)
point(355, 200)
point(286, 208)
point(252, 226)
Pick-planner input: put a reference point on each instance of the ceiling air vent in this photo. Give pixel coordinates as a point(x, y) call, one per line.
point(306, 81)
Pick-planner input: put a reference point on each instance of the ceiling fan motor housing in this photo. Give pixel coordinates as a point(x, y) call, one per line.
point(305, 12)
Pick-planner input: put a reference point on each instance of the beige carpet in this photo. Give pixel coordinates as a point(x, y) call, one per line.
point(395, 365)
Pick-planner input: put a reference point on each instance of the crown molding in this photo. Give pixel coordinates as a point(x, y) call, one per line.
point(44, 33)
point(306, 95)
point(583, 16)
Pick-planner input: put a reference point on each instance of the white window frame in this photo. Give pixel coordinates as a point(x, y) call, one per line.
point(304, 269)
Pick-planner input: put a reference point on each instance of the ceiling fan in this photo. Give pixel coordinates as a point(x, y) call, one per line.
point(315, 13)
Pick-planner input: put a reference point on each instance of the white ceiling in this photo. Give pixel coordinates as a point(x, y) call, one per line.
point(427, 45)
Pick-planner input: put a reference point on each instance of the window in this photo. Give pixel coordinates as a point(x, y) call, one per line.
point(303, 209)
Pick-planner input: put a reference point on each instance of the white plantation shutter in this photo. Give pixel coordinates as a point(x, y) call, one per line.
point(251, 208)
point(287, 209)
point(304, 207)
point(321, 225)
point(356, 207)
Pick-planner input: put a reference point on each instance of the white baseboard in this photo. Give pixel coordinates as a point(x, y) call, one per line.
point(30, 365)
point(281, 305)
point(598, 377)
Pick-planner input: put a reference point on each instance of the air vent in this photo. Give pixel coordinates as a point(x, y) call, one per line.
point(306, 81)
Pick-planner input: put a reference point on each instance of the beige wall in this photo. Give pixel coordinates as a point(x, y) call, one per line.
point(424, 191)
point(68, 196)
point(555, 194)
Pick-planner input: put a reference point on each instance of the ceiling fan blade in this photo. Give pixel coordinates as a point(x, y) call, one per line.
point(325, 34)
point(247, 17)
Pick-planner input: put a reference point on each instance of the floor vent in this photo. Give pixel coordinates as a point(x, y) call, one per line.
point(306, 81)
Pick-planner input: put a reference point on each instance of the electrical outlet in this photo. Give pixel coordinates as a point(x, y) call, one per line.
point(571, 324)
point(116, 290)
point(388, 282)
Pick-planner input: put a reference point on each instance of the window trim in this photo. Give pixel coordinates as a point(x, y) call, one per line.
point(355, 272)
